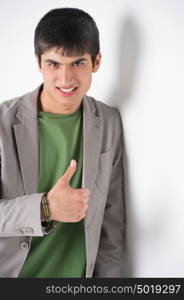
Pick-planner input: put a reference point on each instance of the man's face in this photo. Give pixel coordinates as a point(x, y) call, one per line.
point(66, 80)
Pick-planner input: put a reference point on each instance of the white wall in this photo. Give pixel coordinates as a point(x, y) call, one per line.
point(142, 73)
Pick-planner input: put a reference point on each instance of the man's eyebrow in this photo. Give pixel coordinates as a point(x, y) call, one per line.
point(59, 63)
point(79, 60)
point(52, 61)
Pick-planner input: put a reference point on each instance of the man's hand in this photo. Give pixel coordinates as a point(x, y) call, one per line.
point(65, 203)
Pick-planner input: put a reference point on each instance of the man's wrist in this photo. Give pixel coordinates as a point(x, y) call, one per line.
point(45, 214)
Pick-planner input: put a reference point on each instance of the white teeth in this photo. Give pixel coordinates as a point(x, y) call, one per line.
point(67, 90)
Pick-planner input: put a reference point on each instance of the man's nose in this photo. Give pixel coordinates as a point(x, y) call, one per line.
point(65, 76)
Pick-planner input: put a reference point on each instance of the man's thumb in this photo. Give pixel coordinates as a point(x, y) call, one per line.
point(69, 172)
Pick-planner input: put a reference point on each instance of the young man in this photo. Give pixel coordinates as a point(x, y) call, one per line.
point(62, 208)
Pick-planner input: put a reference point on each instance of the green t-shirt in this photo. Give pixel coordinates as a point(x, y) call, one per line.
point(61, 253)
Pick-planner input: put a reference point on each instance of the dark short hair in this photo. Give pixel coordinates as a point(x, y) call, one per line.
point(71, 29)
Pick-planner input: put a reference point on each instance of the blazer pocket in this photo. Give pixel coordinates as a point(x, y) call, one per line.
point(104, 172)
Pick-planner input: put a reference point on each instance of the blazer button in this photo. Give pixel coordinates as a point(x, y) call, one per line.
point(29, 231)
point(24, 246)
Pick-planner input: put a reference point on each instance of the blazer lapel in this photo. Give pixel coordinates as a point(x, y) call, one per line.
point(26, 137)
point(92, 134)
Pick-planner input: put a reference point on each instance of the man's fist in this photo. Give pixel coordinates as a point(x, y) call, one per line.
point(65, 203)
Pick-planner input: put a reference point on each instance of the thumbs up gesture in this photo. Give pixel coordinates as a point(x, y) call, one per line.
point(65, 203)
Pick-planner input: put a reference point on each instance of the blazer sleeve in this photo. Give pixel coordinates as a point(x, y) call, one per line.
point(20, 216)
point(111, 252)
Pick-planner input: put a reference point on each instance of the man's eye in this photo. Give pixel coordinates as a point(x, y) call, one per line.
point(53, 64)
point(78, 63)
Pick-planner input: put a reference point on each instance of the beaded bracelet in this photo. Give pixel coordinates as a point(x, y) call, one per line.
point(45, 207)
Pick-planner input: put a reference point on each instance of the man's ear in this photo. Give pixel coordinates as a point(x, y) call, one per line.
point(38, 62)
point(97, 62)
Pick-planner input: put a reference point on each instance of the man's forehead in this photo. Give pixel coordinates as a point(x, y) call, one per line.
point(61, 53)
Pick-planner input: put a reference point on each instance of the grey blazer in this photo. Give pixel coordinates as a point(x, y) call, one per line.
point(102, 175)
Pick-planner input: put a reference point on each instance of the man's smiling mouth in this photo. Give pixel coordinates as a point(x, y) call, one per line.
point(67, 91)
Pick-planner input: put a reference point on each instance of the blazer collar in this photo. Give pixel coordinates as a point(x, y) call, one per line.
point(26, 136)
point(28, 108)
point(92, 134)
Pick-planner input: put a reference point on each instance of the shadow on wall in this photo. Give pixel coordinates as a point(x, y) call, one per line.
point(128, 56)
